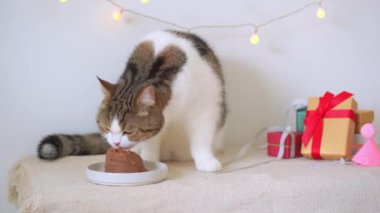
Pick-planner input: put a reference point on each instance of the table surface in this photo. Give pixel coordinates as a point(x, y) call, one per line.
point(266, 185)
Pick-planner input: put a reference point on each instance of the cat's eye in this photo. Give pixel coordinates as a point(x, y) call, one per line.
point(147, 130)
point(127, 133)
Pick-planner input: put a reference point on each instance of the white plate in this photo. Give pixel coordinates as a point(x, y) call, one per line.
point(156, 172)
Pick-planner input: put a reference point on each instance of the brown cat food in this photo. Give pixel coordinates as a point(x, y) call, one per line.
point(119, 160)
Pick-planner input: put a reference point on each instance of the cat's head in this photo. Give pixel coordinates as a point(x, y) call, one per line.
point(126, 117)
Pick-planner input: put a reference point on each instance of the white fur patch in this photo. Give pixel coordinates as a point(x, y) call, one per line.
point(195, 98)
point(115, 126)
point(49, 150)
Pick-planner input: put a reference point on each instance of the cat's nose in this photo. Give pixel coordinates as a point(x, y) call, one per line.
point(117, 143)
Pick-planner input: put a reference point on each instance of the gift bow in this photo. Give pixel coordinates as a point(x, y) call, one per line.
point(314, 119)
point(285, 132)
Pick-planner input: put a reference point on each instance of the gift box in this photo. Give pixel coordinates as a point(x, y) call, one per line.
point(300, 118)
point(363, 117)
point(329, 127)
point(291, 145)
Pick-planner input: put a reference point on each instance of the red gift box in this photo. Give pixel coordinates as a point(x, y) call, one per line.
point(273, 147)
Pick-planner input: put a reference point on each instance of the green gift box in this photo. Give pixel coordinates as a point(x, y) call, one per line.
point(300, 117)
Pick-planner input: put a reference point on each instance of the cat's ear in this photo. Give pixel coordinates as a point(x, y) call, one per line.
point(107, 87)
point(147, 97)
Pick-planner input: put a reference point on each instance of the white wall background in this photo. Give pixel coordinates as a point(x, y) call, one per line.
point(50, 54)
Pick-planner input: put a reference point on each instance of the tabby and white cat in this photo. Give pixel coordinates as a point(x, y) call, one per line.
point(169, 104)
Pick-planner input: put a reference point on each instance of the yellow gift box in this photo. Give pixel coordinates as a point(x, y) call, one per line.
point(334, 119)
point(363, 117)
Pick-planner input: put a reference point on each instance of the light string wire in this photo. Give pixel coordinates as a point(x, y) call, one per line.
point(198, 27)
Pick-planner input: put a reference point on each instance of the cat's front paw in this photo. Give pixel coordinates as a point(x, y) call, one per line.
point(208, 165)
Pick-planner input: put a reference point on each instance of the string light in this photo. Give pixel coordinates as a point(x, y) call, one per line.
point(63, 1)
point(254, 39)
point(145, 1)
point(117, 15)
point(321, 13)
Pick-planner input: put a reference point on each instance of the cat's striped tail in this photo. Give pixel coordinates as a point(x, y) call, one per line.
point(59, 145)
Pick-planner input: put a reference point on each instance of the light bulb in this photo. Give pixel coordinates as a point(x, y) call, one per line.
point(117, 15)
point(145, 1)
point(321, 13)
point(255, 39)
point(63, 1)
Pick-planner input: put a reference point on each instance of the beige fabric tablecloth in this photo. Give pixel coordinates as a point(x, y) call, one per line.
point(278, 186)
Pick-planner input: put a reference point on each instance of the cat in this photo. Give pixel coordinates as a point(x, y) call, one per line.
point(169, 104)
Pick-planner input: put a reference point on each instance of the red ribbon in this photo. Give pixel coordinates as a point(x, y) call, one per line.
point(314, 119)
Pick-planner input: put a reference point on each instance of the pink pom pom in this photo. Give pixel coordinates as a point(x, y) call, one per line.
point(368, 131)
